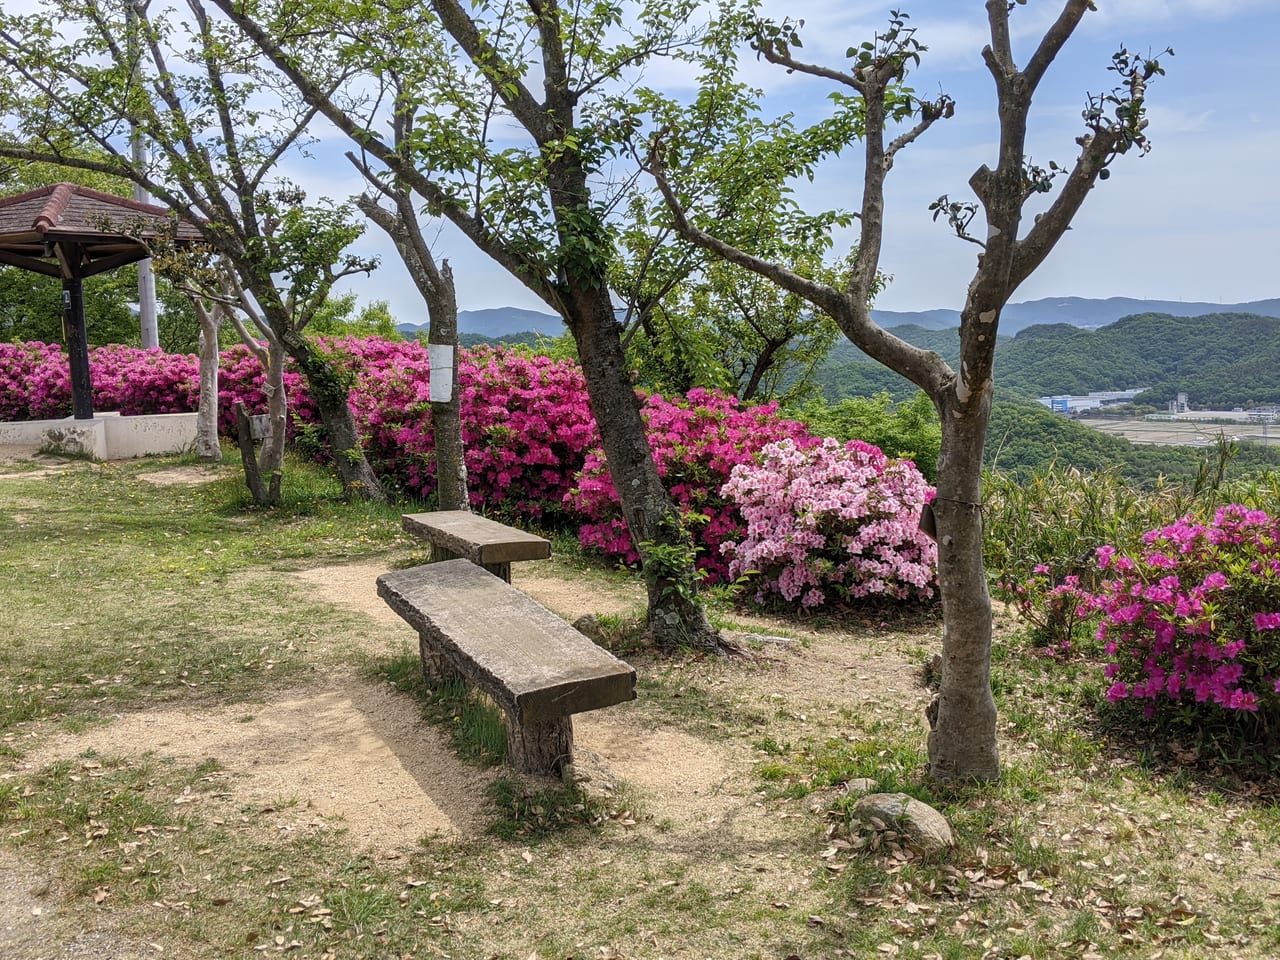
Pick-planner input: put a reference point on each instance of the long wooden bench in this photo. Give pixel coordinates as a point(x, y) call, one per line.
point(459, 534)
point(536, 667)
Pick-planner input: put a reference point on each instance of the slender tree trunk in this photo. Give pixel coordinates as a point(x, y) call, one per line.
point(207, 446)
point(962, 739)
point(446, 405)
point(330, 395)
point(435, 283)
point(675, 618)
point(264, 467)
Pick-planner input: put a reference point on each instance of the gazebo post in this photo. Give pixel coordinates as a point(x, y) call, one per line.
point(77, 338)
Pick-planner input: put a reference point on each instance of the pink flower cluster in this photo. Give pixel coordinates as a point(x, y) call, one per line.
point(1191, 619)
point(832, 522)
point(1053, 607)
point(697, 441)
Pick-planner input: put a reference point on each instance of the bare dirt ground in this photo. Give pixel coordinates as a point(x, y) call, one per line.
point(345, 754)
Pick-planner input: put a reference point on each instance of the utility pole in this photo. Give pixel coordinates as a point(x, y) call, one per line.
point(148, 325)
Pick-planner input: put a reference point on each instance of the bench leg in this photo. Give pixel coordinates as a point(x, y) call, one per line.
point(434, 666)
point(502, 570)
point(543, 746)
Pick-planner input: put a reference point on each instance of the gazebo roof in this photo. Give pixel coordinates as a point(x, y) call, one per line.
point(39, 227)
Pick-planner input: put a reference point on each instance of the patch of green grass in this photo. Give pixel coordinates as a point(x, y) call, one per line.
point(689, 702)
point(121, 592)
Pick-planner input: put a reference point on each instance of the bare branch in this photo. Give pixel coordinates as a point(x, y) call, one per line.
point(1053, 40)
point(1054, 222)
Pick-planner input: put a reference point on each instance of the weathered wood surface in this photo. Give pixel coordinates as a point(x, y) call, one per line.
point(535, 666)
point(476, 538)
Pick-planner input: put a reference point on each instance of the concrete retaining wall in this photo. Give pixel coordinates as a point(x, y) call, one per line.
point(108, 436)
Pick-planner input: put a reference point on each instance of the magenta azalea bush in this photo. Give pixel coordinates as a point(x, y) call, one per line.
point(526, 426)
point(697, 441)
point(831, 522)
point(1194, 619)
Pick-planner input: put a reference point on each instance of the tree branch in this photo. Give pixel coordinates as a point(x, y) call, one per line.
point(1052, 42)
point(504, 77)
point(472, 226)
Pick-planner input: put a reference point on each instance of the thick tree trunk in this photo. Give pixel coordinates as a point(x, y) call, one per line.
point(675, 618)
point(962, 741)
point(208, 448)
point(330, 395)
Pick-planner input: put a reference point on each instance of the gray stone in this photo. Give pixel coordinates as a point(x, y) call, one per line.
point(923, 827)
point(860, 785)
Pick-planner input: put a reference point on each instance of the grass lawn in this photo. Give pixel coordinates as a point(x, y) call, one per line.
point(176, 701)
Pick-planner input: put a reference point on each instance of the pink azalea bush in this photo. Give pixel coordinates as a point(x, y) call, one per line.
point(1194, 618)
point(35, 381)
point(1053, 607)
point(830, 523)
point(697, 441)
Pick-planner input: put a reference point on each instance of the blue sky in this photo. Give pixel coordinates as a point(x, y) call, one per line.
point(1196, 219)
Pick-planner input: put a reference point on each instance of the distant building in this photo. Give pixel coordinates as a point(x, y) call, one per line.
point(1180, 405)
point(1070, 404)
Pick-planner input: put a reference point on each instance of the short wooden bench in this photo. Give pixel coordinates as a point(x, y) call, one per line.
point(536, 667)
point(457, 534)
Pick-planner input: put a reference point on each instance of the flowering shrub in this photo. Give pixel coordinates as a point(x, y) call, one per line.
point(697, 441)
point(26, 381)
point(35, 381)
point(1041, 533)
point(832, 522)
point(526, 426)
point(1053, 608)
point(1194, 618)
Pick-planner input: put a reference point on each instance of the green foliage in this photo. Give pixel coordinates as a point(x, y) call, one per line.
point(907, 430)
point(338, 317)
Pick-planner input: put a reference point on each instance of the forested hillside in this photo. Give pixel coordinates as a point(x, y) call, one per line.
point(1023, 436)
point(1220, 360)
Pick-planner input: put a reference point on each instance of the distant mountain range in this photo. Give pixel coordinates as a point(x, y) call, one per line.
point(1076, 311)
point(498, 322)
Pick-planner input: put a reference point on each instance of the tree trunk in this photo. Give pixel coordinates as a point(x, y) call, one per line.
point(330, 395)
point(264, 468)
point(208, 448)
point(962, 741)
point(435, 283)
point(446, 406)
point(675, 618)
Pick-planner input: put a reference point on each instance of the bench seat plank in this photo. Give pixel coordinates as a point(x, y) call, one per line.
point(476, 538)
point(532, 663)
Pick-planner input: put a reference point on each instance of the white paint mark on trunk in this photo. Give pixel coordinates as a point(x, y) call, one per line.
point(440, 356)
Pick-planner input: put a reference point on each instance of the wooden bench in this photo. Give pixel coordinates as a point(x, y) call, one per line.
point(457, 534)
point(536, 667)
